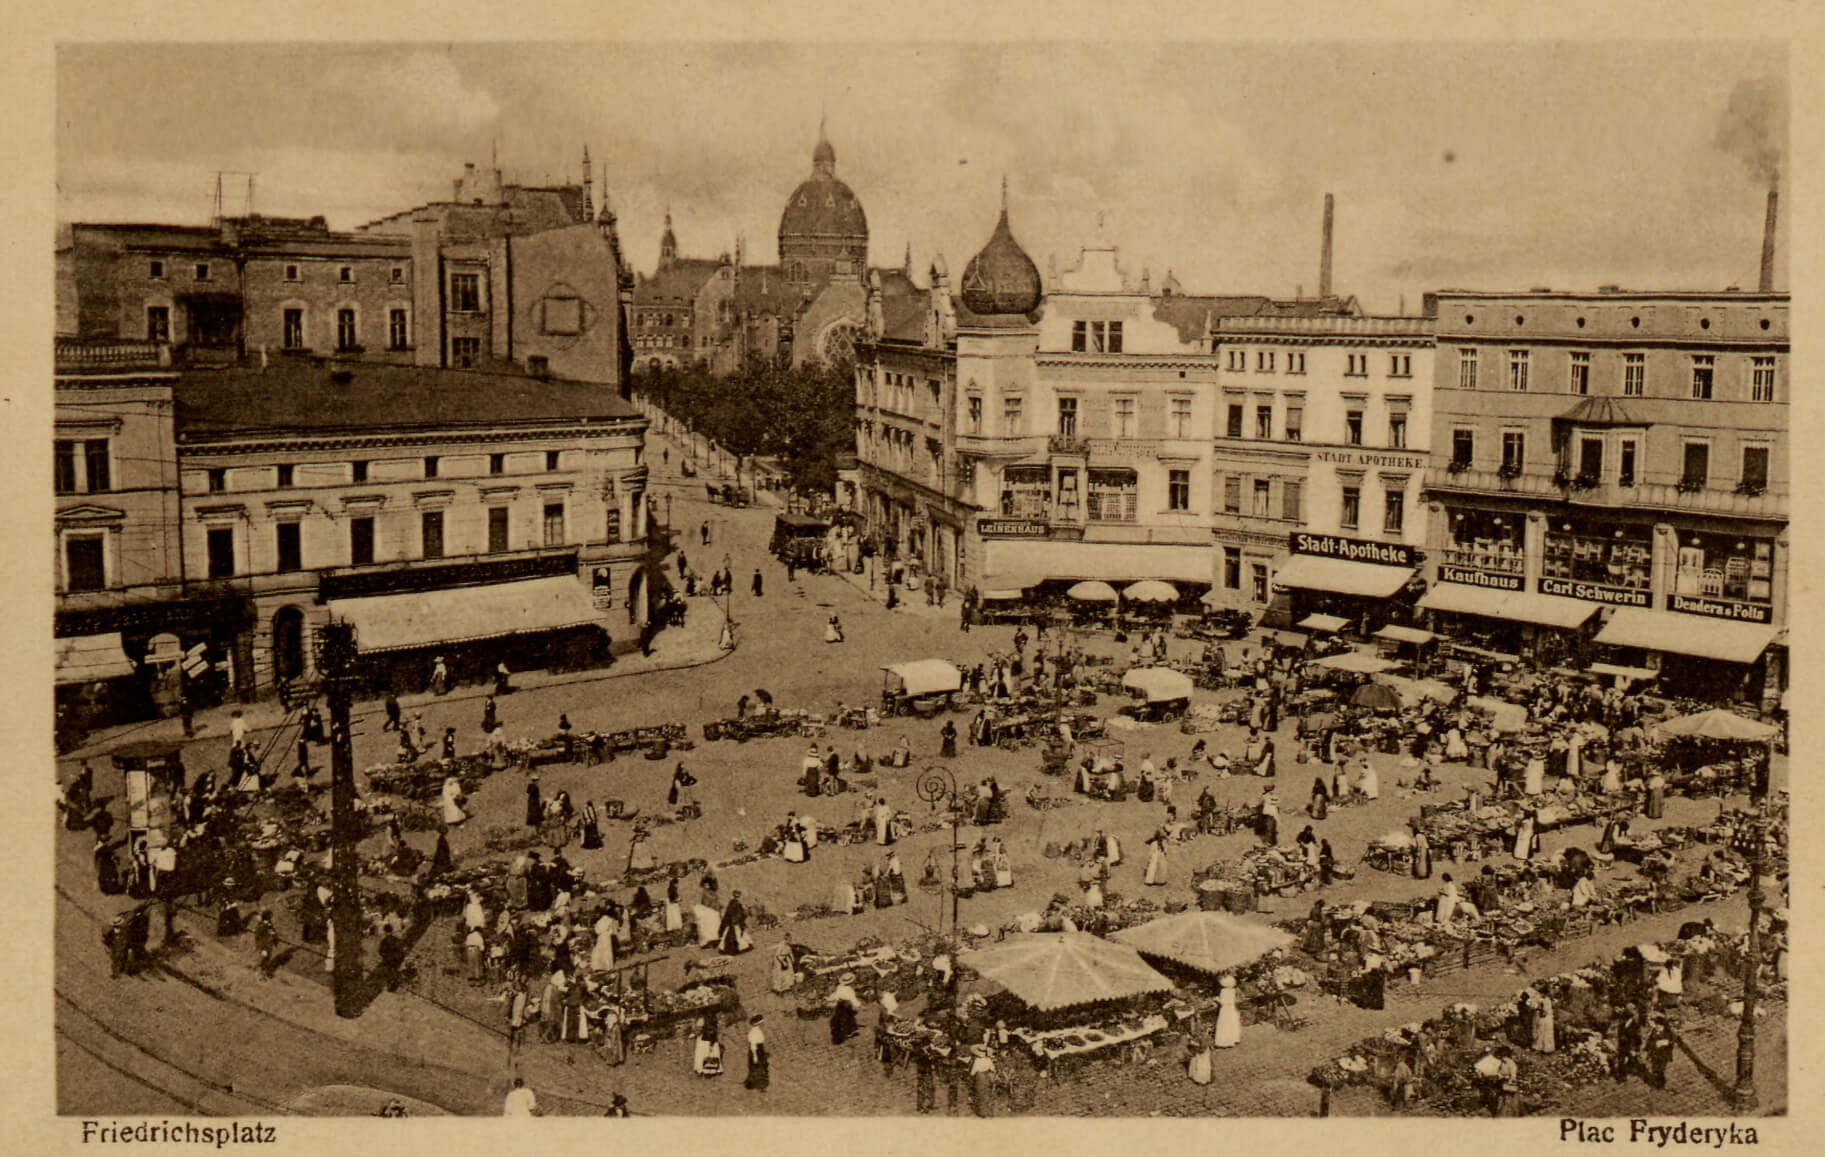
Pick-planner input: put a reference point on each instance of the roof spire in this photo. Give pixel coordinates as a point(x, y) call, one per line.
point(1004, 194)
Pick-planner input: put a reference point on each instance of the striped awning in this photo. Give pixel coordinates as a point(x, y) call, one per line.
point(1693, 635)
point(466, 614)
point(1316, 573)
point(91, 659)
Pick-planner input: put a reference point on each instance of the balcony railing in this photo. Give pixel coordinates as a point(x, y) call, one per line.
point(110, 354)
point(1067, 444)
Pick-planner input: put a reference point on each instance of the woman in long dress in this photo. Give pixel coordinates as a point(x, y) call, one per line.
point(706, 1059)
point(883, 822)
point(535, 805)
point(1447, 902)
point(758, 1062)
point(1369, 781)
point(1422, 856)
point(1229, 1019)
point(982, 1081)
point(896, 878)
point(674, 914)
point(1545, 1038)
point(1657, 790)
point(614, 1035)
point(592, 827)
point(782, 974)
point(1156, 859)
point(1321, 799)
point(1525, 840)
point(453, 810)
point(1534, 778)
point(1611, 783)
point(602, 952)
point(1197, 1064)
point(845, 1003)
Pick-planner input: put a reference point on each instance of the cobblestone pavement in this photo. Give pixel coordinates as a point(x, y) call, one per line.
point(456, 1037)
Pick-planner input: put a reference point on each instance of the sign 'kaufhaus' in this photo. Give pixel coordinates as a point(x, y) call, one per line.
point(1596, 592)
point(1352, 549)
point(1492, 580)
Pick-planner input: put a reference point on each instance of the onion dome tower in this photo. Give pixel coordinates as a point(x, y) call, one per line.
point(1001, 279)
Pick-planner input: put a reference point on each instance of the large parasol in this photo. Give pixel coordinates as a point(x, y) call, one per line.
point(1057, 970)
point(1376, 697)
point(1092, 592)
point(1211, 942)
point(1151, 591)
point(1718, 724)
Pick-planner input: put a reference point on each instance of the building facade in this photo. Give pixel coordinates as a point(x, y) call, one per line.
point(1322, 430)
point(1610, 479)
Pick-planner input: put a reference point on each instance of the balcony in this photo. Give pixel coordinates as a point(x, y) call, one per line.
point(1525, 484)
point(1068, 444)
point(110, 354)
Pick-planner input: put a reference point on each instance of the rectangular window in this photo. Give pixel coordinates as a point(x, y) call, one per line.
point(291, 548)
point(158, 323)
point(218, 480)
point(614, 523)
point(431, 534)
point(1124, 417)
point(156, 270)
point(397, 275)
point(358, 471)
point(346, 274)
point(95, 460)
point(1463, 449)
point(1514, 450)
point(361, 541)
point(1232, 495)
point(1295, 423)
point(465, 351)
point(1352, 427)
point(1590, 460)
point(497, 463)
point(554, 524)
point(1400, 365)
point(1257, 582)
point(84, 568)
point(1625, 463)
point(1581, 373)
point(1011, 418)
point(65, 461)
point(431, 466)
point(1295, 362)
point(292, 335)
point(1755, 467)
point(1232, 568)
point(1080, 337)
point(1291, 491)
point(1517, 370)
point(1357, 366)
point(1264, 421)
point(1263, 493)
point(1394, 512)
point(1181, 417)
point(1704, 369)
point(1397, 431)
point(975, 415)
point(1466, 368)
point(497, 529)
point(1115, 337)
point(466, 292)
point(398, 337)
point(1351, 516)
point(1067, 417)
point(1238, 361)
point(291, 273)
point(1178, 490)
point(202, 271)
point(1264, 362)
point(1634, 375)
point(221, 552)
point(1697, 465)
point(1234, 427)
point(1112, 495)
point(1761, 386)
point(284, 476)
point(552, 458)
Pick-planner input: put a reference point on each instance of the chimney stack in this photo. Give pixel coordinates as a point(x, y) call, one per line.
point(1768, 242)
point(1324, 262)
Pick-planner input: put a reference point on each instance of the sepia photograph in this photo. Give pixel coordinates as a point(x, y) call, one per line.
point(862, 579)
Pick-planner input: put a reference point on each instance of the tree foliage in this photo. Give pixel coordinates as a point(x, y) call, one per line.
point(804, 417)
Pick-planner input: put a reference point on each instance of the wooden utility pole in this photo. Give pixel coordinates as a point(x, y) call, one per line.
point(1743, 1098)
point(336, 660)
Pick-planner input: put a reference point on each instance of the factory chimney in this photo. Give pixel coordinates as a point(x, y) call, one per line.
point(1324, 261)
point(1767, 282)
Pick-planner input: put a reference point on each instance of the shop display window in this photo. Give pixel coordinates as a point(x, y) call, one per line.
point(1617, 556)
point(1026, 492)
point(1113, 495)
point(1723, 566)
point(1481, 540)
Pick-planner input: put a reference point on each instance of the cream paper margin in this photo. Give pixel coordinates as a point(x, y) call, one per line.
point(27, 1101)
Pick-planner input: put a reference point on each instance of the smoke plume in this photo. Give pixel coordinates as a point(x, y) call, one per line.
point(1754, 126)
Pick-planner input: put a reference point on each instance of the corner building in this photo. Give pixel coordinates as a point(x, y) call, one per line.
point(1609, 482)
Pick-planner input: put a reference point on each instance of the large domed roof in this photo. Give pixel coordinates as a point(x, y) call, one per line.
point(1001, 279)
point(823, 206)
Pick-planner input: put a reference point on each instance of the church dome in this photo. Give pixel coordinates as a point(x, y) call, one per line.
point(1001, 279)
point(823, 207)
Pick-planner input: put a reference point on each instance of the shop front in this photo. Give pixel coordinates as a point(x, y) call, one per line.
point(1495, 619)
point(1697, 655)
point(1369, 585)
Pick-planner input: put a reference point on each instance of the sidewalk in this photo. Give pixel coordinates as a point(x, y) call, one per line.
point(694, 644)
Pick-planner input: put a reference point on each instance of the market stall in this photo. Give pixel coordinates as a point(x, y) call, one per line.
point(922, 687)
point(1157, 693)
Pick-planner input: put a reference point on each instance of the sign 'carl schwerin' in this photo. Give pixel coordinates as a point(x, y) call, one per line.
point(1352, 549)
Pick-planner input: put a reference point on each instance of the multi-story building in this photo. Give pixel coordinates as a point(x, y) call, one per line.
point(468, 514)
point(1322, 428)
point(1609, 479)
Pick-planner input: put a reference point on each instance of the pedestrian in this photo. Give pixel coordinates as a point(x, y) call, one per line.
point(757, 583)
point(139, 934)
point(833, 630)
point(520, 1101)
point(1229, 1019)
point(114, 939)
point(948, 735)
point(706, 1061)
point(449, 745)
point(266, 943)
point(982, 1081)
point(1660, 1044)
point(758, 1061)
point(704, 533)
point(1327, 864)
point(1508, 1084)
point(392, 723)
point(845, 1004)
point(535, 807)
point(925, 1080)
point(502, 678)
point(440, 677)
point(518, 1011)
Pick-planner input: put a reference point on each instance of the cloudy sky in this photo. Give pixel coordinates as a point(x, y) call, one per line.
point(1466, 165)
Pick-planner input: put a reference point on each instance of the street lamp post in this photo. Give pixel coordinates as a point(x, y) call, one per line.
point(937, 785)
point(1743, 1097)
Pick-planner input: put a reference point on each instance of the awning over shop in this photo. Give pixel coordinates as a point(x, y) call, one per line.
point(466, 614)
point(1518, 606)
point(1405, 635)
point(1313, 572)
point(91, 659)
point(1687, 635)
point(1013, 563)
point(1622, 672)
point(1323, 623)
point(1356, 662)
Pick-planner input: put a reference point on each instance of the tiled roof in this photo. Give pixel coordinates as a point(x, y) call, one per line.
point(681, 280)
